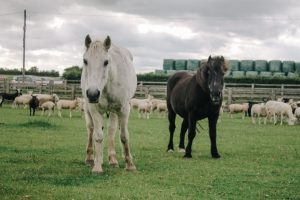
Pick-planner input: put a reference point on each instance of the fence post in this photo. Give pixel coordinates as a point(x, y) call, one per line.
point(229, 96)
point(73, 92)
point(282, 88)
point(252, 90)
point(273, 96)
point(6, 85)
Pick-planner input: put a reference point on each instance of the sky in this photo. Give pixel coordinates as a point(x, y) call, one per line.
point(151, 30)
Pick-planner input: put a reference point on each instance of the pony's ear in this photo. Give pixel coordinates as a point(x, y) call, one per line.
point(107, 43)
point(209, 59)
point(87, 41)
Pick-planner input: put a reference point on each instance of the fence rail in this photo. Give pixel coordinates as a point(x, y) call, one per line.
point(232, 92)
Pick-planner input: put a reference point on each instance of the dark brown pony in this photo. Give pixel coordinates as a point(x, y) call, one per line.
point(194, 98)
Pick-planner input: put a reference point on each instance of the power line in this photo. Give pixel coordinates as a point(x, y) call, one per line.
point(11, 13)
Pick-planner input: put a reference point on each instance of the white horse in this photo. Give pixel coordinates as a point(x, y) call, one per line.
point(108, 82)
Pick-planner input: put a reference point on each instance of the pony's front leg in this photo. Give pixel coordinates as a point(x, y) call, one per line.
point(125, 138)
point(98, 137)
point(89, 160)
point(191, 135)
point(113, 126)
point(184, 127)
point(212, 122)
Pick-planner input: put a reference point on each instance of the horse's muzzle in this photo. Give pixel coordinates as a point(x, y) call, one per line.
point(216, 100)
point(93, 95)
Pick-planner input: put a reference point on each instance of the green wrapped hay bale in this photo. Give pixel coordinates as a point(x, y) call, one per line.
point(251, 73)
point(265, 74)
point(168, 64)
point(279, 74)
point(297, 68)
point(247, 65)
point(261, 65)
point(275, 66)
point(160, 72)
point(192, 65)
point(238, 74)
point(180, 64)
point(292, 75)
point(234, 65)
point(288, 66)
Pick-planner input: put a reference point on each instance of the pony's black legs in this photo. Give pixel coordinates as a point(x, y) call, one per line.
point(184, 127)
point(212, 122)
point(191, 136)
point(171, 117)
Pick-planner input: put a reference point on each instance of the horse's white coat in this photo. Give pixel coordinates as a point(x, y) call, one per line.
point(117, 84)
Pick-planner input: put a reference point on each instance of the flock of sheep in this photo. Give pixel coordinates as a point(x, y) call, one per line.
point(285, 110)
point(47, 102)
point(282, 109)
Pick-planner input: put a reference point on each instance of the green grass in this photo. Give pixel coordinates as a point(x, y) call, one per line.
point(43, 158)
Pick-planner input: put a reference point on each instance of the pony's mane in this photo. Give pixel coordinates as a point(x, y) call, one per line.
point(225, 67)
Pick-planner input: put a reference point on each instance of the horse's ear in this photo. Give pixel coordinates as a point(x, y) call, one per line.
point(107, 43)
point(87, 41)
point(209, 59)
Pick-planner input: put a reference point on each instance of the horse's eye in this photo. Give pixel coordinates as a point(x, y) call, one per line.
point(85, 61)
point(105, 62)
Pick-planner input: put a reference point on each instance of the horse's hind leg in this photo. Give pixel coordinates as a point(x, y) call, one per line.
point(172, 126)
point(123, 117)
point(113, 126)
point(184, 127)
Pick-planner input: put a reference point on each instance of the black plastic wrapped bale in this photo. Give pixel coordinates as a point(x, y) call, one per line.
point(247, 65)
point(279, 74)
point(234, 65)
point(260, 65)
point(180, 64)
point(265, 74)
point(275, 66)
point(288, 66)
point(192, 64)
point(251, 73)
point(297, 68)
point(238, 74)
point(168, 64)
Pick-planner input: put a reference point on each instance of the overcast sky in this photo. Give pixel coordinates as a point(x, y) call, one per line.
point(152, 30)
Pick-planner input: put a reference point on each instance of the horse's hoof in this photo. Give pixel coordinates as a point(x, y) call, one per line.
point(170, 150)
point(181, 150)
point(97, 171)
point(89, 162)
point(130, 168)
point(114, 165)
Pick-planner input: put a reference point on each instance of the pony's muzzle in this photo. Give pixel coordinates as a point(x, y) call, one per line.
point(93, 95)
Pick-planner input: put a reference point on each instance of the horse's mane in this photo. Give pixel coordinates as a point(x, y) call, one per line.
point(201, 75)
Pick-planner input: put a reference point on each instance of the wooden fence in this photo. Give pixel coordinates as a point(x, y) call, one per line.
point(232, 92)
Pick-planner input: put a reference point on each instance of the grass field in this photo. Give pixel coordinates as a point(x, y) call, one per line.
point(43, 158)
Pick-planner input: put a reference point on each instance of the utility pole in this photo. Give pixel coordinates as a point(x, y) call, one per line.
point(24, 34)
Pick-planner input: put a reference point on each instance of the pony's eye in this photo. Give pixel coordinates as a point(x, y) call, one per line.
point(105, 62)
point(85, 61)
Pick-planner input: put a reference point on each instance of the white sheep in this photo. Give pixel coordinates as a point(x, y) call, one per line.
point(162, 108)
point(22, 100)
point(276, 108)
point(47, 97)
point(297, 113)
point(258, 111)
point(81, 103)
point(66, 104)
point(48, 105)
point(144, 108)
point(155, 103)
point(238, 108)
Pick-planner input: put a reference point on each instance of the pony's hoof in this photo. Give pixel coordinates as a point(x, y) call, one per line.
point(181, 150)
point(170, 150)
point(216, 156)
point(89, 162)
point(114, 165)
point(113, 162)
point(187, 156)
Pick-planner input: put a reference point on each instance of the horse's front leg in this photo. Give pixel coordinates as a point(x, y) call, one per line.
point(184, 127)
point(212, 122)
point(89, 160)
point(123, 117)
point(191, 135)
point(98, 137)
point(113, 126)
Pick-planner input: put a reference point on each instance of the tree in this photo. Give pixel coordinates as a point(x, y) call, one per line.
point(72, 73)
